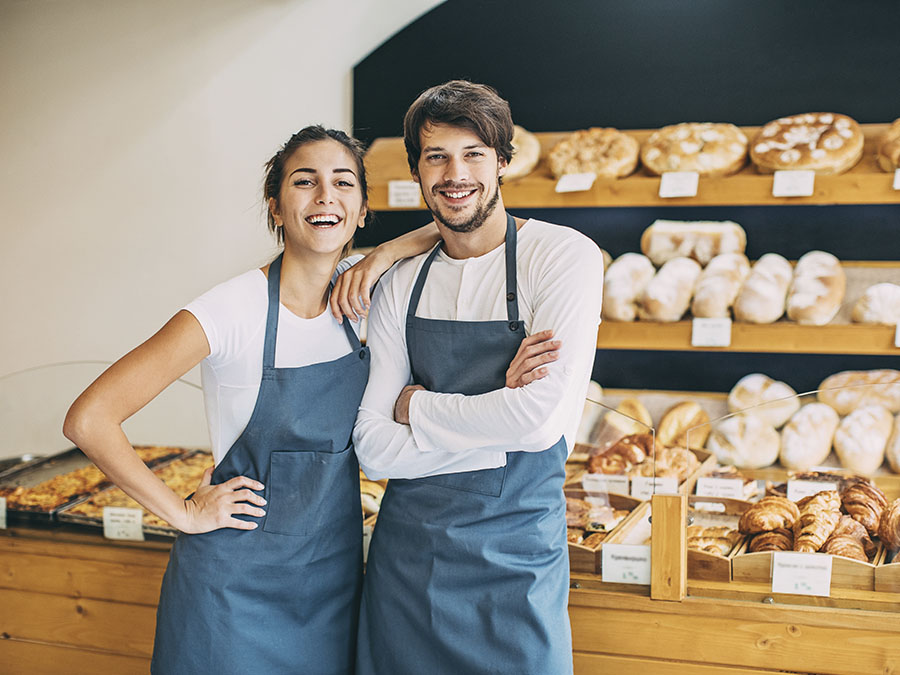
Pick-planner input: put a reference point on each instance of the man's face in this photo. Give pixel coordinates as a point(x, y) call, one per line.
point(458, 175)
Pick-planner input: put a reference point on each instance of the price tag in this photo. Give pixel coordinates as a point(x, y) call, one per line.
point(367, 539)
point(120, 522)
point(897, 179)
point(731, 488)
point(798, 489)
point(793, 183)
point(711, 332)
point(801, 573)
point(599, 482)
point(679, 184)
point(897, 336)
point(644, 487)
point(404, 194)
point(576, 182)
point(625, 564)
point(2, 513)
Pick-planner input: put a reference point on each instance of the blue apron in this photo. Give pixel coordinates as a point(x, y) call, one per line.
point(469, 572)
point(283, 598)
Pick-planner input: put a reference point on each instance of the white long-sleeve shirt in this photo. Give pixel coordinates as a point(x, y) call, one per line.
point(559, 287)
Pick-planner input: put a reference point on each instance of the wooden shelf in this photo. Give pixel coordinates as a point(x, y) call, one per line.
point(866, 183)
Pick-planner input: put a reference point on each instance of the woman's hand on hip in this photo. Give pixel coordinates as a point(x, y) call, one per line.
point(215, 506)
point(529, 362)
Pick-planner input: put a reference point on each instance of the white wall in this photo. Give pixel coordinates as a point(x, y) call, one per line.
point(132, 138)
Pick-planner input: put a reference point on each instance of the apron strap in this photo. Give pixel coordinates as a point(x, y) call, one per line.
point(272, 314)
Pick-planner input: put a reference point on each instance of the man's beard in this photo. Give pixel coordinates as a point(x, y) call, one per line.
point(482, 213)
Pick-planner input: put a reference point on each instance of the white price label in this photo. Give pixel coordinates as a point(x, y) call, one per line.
point(897, 179)
point(367, 539)
point(793, 184)
point(599, 482)
point(730, 488)
point(897, 336)
point(801, 573)
point(576, 182)
point(711, 332)
point(679, 184)
point(798, 489)
point(625, 564)
point(2, 513)
point(120, 522)
point(404, 194)
point(644, 487)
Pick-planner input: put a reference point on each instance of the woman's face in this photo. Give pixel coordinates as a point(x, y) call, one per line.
point(320, 202)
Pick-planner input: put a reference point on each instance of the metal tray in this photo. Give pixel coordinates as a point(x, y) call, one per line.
point(12, 465)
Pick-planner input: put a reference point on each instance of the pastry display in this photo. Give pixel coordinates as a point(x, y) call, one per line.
point(849, 389)
point(746, 441)
point(584, 517)
point(526, 153)
point(769, 513)
point(677, 421)
point(668, 295)
point(819, 515)
point(607, 152)
point(880, 304)
point(889, 148)
point(779, 539)
point(850, 540)
point(827, 143)
point(806, 439)
point(762, 297)
point(716, 540)
point(719, 284)
point(702, 241)
point(709, 148)
point(892, 449)
point(817, 289)
point(861, 438)
point(622, 456)
point(671, 462)
point(758, 394)
point(889, 525)
point(624, 284)
point(864, 502)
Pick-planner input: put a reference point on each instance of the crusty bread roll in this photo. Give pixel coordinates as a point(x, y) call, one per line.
point(526, 153)
point(850, 389)
point(677, 421)
point(776, 400)
point(889, 148)
point(761, 298)
point(665, 240)
point(861, 438)
point(623, 284)
point(879, 303)
point(892, 450)
point(668, 295)
point(629, 417)
point(745, 441)
point(719, 285)
point(806, 438)
point(607, 152)
point(607, 258)
point(817, 289)
point(709, 148)
point(827, 143)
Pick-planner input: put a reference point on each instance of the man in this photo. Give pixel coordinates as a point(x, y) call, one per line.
point(468, 567)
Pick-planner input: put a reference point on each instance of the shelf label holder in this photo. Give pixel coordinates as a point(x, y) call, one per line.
point(625, 564)
point(798, 489)
point(794, 183)
point(610, 483)
point(678, 184)
point(120, 522)
point(711, 332)
point(576, 182)
point(730, 488)
point(897, 179)
point(801, 573)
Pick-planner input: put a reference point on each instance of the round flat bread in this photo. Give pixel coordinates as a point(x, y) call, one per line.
point(605, 151)
point(889, 148)
point(527, 153)
point(827, 143)
point(709, 148)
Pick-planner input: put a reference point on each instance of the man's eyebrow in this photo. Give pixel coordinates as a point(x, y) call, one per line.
point(304, 169)
point(437, 148)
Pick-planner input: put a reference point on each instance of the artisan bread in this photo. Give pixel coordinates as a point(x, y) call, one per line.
point(607, 152)
point(819, 516)
point(817, 289)
point(623, 285)
point(668, 295)
point(861, 438)
point(762, 297)
point(708, 148)
point(665, 240)
point(719, 285)
point(806, 438)
point(683, 422)
point(827, 143)
point(744, 441)
point(889, 148)
point(760, 395)
point(879, 303)
point(526, 153)
point(892, 450)
point(850, 389)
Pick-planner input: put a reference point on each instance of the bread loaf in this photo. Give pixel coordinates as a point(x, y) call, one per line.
point(827, 143)
point(607, 152)
point(865, 503)
point(817, 289)
point(861, 438)
point(668, 295)
point(665, 240)
point(892, 450)
point(889, 148)
point(878, 304)
point(745, 441)
point(769, 513)
point(719, 285)
point(806, 438)
point(850, 389)
point(762, 297)
point(709, 148)
point(819, 515)
point(677, 421)
point(776, 401)
point(607, 259)
point(629, 417)
point(526, 153)
point(623, 284)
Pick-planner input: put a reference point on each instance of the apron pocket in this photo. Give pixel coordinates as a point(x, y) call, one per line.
point(309, 490)
point(484, 482)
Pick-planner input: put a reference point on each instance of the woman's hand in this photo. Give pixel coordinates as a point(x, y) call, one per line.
point(528, 363)
point(214, 506)
point(351, 296)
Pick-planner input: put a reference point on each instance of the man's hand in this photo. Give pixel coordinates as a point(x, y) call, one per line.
point(527, 364)
point(401, 407)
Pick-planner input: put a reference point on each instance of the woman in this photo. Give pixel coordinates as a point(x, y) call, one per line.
point(267, 576)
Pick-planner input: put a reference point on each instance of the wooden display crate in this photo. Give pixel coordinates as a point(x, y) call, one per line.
point(707, 566)
point(584, 558)
point(887, 574)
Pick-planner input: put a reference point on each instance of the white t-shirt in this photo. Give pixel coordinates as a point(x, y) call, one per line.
point(233, 316)
point(559, 286)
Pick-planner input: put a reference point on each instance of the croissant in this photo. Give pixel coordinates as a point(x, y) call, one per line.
point(850, 539)
point(864, 502)
point(819, 515)
point(623, 455)
point(845, 546)
point(781, 539)
point(769, 513)
point(715, 540)
point(889, 525)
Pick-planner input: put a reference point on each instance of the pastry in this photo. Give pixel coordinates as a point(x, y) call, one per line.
point(665, 240)
point(827, 143)
point(892, 450)
point(819, 515)
point(668, 295)
point(889, 148)
point(806, 438)
point(629, 417)
point(672, 462)
point(603, 518)
point(623, 284)
point(850, 389)
point(709, 148)
point(607, 152)
point(623, 455)
point(371, 494)
point(769, 513)
point(762, 297)
point(865, 504)
point(719, 284)
point(850, 540)
point(889, 525)
point(780, 539)
point(715, 540)
point(594, 539)
point(817, 289)
point(684, 418)
point(879, 303)
point(576, 512)
point(760, 395)
point(745, 441)
point(526, 153)
point(574, 535)
point(861, 438)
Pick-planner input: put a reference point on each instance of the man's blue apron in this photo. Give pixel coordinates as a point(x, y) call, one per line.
point(469, 572)
point(282, 598)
